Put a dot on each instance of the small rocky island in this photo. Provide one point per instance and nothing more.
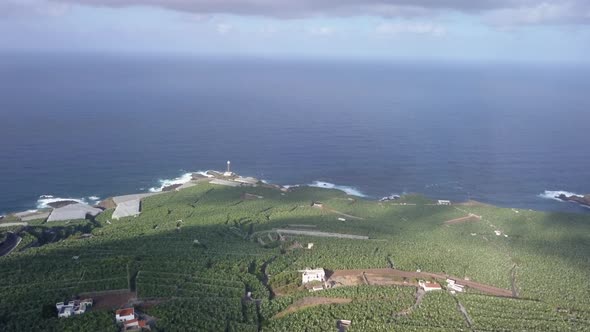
(582, 200)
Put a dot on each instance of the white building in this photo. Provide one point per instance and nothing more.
(309, 275)
(453, 285)
(73, 308)
(429, 286)
(443, 202)
(123, 315)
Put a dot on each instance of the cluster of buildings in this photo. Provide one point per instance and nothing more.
(129, 320)
(75, 307)
(452, 286)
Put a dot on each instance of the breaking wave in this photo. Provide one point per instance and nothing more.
(184, 178)
(44, 200)
(347, 189)
(552, 194)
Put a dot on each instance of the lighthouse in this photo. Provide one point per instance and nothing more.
(228, 172)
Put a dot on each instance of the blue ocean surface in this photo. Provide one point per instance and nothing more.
(92, 126)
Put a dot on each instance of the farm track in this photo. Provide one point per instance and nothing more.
(12, 224)
(470, 217)
(465, 314)
(376, 273)
(320, 234)
(513, 281)
(11, 242)
(344, 214)
(419, 297)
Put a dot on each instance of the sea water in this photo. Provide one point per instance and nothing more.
(90, 126)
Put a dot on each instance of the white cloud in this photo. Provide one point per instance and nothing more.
(33, 8)
(394, 29)
(268, 29)
(543, 13)
(321, 31)
(224, 28)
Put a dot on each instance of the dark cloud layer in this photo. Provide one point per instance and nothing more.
(299, 8)
(502, 12)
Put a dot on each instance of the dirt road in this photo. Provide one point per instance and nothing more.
(389, 276)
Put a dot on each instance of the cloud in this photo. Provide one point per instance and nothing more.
(321, 31)
(32, 8)
(224, 28)
(495, 11)
(394, 29)
(543, 13)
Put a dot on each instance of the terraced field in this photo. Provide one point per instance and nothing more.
(209, 258)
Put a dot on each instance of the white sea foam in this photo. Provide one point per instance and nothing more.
(204, 173)
(184, 178)
(553, 194)
(347, 189)
(93, 198)
(44, 201)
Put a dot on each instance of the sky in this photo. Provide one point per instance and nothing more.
(555, 31)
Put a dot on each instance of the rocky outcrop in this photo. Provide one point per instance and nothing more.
(171, 187)
(60, 204)
(582, 200)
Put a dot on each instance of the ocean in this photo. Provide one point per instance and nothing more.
(93, 126)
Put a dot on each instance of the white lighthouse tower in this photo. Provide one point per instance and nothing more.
(228, 172)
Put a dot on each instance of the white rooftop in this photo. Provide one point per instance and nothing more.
(127, 209)
(73, 211)
(129, 205)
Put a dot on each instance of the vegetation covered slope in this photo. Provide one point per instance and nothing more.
(193, 255)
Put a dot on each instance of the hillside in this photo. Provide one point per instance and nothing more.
(192, 256)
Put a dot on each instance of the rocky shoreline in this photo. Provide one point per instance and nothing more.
(582, 200)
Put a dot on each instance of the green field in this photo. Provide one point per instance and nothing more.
(194, 254)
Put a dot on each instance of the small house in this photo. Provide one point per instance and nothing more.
(309, 275)
(65, 311)
(443, 202)
(135, 325)
(75, 307)
(428, 286)
(454, 286)
(317, 205)
(123, 315)
(343, 324)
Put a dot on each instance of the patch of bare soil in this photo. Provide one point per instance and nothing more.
(374, 275)
(109, 299)
(311, 302)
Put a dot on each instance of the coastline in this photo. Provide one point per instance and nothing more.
(47, 204)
